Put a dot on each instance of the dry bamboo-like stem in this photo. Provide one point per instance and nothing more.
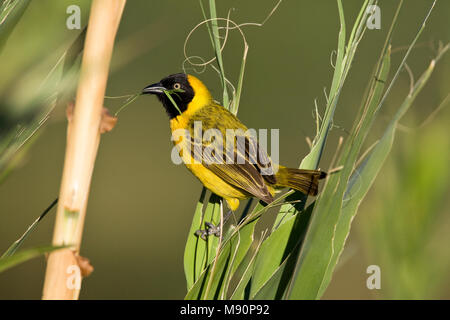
(63, 276)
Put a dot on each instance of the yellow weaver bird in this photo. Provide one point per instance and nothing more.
(188, 101)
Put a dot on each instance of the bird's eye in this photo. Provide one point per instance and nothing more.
(177, 86)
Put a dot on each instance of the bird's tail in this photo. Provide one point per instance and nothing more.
(305, 181)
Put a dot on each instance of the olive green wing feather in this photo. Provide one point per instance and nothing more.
(232, 158)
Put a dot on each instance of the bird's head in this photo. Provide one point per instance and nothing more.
(180, 92)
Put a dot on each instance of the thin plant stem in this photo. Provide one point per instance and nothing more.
(83, 137)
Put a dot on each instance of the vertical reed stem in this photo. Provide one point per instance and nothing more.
(62, 278)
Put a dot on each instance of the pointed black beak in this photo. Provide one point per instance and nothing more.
(155, 88)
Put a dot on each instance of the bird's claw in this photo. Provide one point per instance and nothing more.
(210, 229)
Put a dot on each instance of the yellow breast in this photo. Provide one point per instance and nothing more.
(180, 124)
(209, 179)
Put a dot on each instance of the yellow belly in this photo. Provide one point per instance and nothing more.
(210, 180)
(215, 183)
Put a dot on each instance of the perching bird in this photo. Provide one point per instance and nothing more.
(188, 103)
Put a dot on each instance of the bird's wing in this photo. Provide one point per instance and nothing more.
(232, 158)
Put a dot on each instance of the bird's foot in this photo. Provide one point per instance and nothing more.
(210, 229)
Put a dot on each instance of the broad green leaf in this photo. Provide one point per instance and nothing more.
(54, 91)
(199, 253)
(275, 286)
(212, 214)
(192, 242)
(295, 204)
(216, 274)
(230, 256)
(194, 293)
(209, 281)
(214, 281)
(277, 247)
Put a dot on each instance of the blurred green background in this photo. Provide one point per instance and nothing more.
(141, 204)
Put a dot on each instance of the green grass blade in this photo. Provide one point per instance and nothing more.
(237, 97)
(199, 253)
(343, 61)
(363, 178)
(194, 293)
(367, 119)
(217, 46)
(340, 52)
(329, 226)
(16, 245)
(10, 13)
(208, 25)
(314, 261)
(24, 255)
